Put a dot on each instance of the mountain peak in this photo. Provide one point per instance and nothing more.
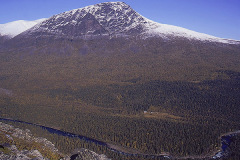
(112, 19)
(105, 6)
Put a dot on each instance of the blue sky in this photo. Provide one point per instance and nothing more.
(219, 18)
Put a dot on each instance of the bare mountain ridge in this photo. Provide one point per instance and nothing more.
(111, 19)
(105, 19)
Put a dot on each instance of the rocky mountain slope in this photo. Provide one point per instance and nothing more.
(111, 19)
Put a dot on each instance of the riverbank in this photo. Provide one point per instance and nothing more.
(226, 140)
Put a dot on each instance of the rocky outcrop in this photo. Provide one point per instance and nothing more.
(26, 135)
(5, 92)
(15, 154)
(18, 144)
(85, 154)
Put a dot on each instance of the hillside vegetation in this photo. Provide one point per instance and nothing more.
(189, 90)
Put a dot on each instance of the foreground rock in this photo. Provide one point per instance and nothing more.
(18, 144)
(21, 144)
(85, 154)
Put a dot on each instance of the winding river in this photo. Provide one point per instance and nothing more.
(226, 140)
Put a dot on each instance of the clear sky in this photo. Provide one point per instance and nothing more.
(219, 18)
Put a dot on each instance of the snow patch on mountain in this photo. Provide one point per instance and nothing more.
(167, 31)
(14, 28)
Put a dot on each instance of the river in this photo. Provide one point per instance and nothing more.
(226, 141)
(72, 135)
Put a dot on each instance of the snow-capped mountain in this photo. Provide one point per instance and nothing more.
(110, 40)
(14, 28)
(112, 19)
